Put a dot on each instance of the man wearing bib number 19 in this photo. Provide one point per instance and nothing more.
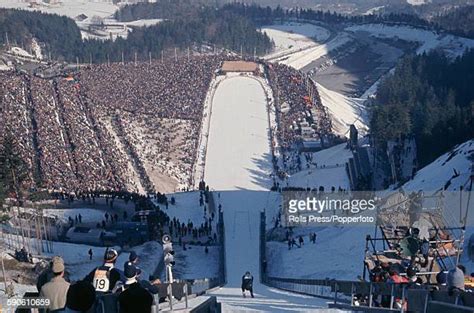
(104, 277)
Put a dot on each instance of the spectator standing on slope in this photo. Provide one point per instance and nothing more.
(56, 289)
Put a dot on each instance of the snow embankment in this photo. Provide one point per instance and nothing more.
(344, 111)
(300, 59)
(450, 171)
(293, 37)
(328, 170)
(428, 40)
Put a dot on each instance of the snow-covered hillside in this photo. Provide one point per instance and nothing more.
(451, 170)
(428, 40)
(70, 8)
(329, 170)
(302, 58)
(293, 37)
(344, 111)
(338, 253)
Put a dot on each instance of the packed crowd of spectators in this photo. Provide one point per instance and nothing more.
(14, 117)
(109, 127)
(298, 102)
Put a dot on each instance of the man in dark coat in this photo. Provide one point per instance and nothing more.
(104, 277)
(135, 298)
(247, 284)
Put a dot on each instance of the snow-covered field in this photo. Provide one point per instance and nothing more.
(94, 11)
(293, 37)
(70, 8)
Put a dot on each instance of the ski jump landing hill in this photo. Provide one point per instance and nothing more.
(239, 168)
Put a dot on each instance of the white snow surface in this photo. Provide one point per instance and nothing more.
(337, 254)
(292, 37)
(239, 158)
(70, 8)
(429, 40)
(344, 111)
(194, 263)
(417, 2)
(300, 59)
(20, 52)
(185, 208)
(330, 170)
(238, 165)
(88, 215)
(437, 174)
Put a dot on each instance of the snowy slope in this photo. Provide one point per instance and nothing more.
(70, 8)
(149, 255)
(238, 165)
(330, 170)
(240, 158)
(344, 111)
(428, 40)
(300, 59)
(292, 37)
(441, 172)
(186, 207)
(338, 253)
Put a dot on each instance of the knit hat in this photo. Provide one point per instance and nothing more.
(57, 265)
(80, 296)
(456, 278)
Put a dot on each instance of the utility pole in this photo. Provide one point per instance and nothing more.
(149, 57)
(135, 58)
(161, 56)
(175, 55)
